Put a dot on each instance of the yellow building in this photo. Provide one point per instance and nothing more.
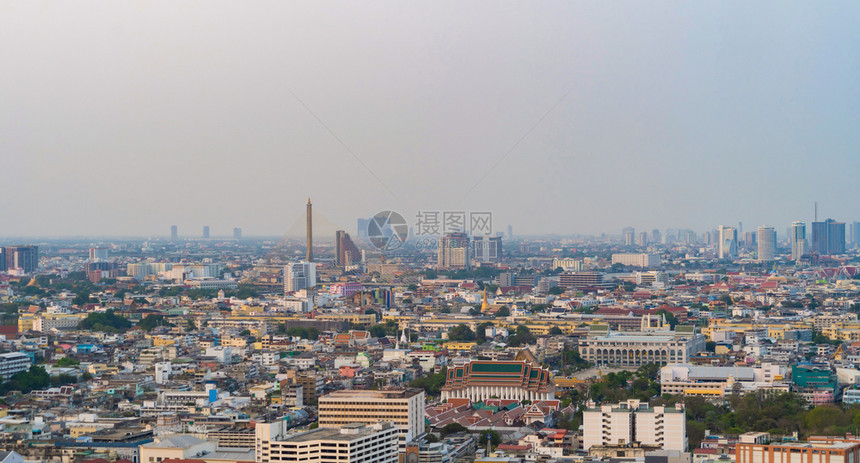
(25, 322)
(356, 318)
(460, 345)
(159, 341)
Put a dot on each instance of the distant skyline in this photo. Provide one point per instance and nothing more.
(124, 118)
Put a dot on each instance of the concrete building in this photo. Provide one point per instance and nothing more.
(299, 275)
(629, 235)
(634, 422)
(798, 240)
(654, 343)
(798, 452)
(487, 248)
(828, 237)
(22, 258)
(453, 252)
(715, 382)
(569, 264)
(351, 443)
(56, 321)
(179, 446)
(99, 254)
(728, 243)
(403, 407)
(478, 380)
(643, 260)
(766, 239)
(346, 252)
(578, 280)
(13, 362)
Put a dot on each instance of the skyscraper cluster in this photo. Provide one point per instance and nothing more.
(828, 237)
(22, 258)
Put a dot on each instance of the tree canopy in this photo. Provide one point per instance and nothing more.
(461, 332)
(107, 322)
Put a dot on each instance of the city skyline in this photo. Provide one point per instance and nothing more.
(677, 115)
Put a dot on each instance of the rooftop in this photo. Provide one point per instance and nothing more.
(345, 433)
(380, 394)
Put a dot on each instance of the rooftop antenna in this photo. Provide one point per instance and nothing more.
(816, 211)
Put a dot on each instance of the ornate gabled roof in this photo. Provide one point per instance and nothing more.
(490, 373)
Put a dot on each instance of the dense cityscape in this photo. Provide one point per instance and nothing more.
(364, 346)
(429, 231)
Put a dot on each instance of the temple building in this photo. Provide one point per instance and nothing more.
(479, 380)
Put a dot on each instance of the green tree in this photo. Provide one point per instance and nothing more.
(522, 337)
(461, 332)
(555, 331)
(377, 331)
(556, 290)
(67, 362)
(503, 312)
(670, 317)
(108, 322)
(453, 428)
(431, 383)
(152, 320)
(494, 437)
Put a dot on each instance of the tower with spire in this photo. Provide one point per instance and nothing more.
(310, 233)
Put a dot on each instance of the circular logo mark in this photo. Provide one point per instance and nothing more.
(387, 230)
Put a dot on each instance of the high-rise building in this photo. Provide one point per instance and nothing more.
(750, 240)
(728, 243)
(346, 252)
(174, 233)
(309, 232)
(632, 422)
(487, 248)
(798, 240)
(766, 237)
(828, 237)
(854, 233)
(643, 239)
(836, 237)
(453, 252)
(403, 407)
(510, 232)
(299, 275)
(352, 443)
(237, 233)
(656, 237)
(2, 259)
(629, 235)
(206, 232)
(643, 259)
(689, 237)
(99, 254)
(22, 258)
(361, 228)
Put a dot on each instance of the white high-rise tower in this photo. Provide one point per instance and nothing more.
(798, 240)
(766, 244)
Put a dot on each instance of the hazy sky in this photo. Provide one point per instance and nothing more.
(124, 117)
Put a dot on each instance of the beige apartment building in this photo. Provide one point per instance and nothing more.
(351, 443)
(403, 407)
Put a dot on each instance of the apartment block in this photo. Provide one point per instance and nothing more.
(633, 422)
(351, 443)
(403, 407)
